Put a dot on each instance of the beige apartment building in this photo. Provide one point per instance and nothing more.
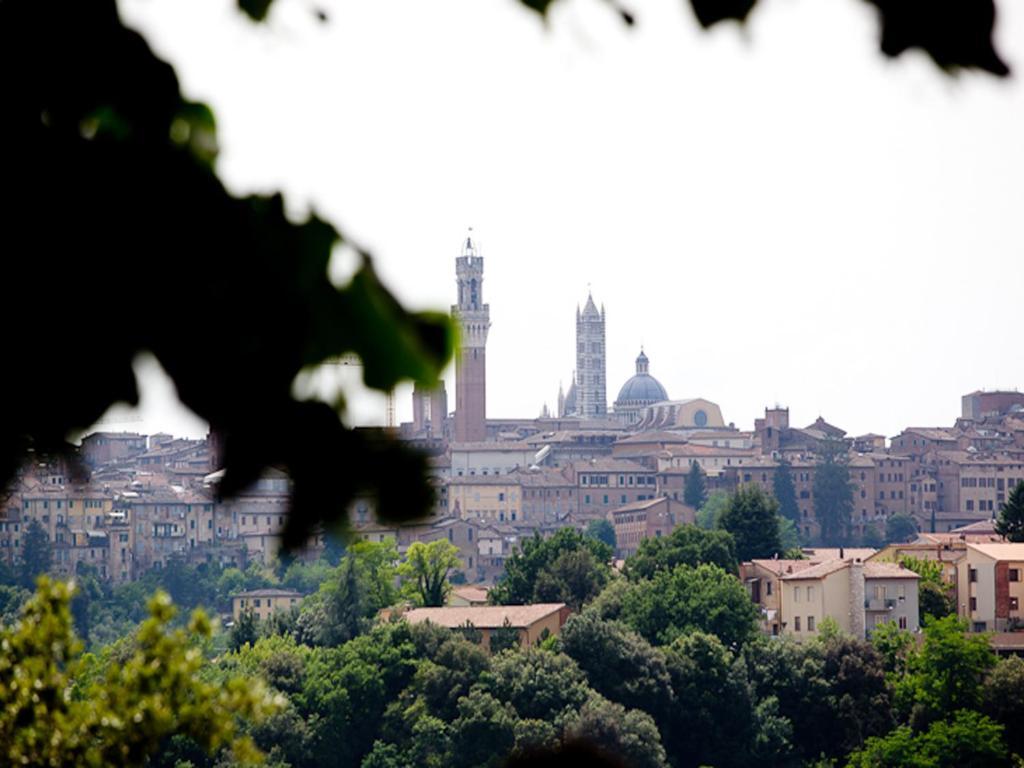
(857, 596)
(947, 553)
(548, 495)
(261, 603)
(990, 586)
(651, 518)
(606, 484)
(972, 486)
(712, 459)
(763, 579)
(470, 459)
(491, 498)
(532, 622)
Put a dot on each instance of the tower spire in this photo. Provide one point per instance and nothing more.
(474, 320)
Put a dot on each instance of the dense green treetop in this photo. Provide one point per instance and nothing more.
(568, 567)
(833, 496)
(76, 712)
(752, 520)
(968, 740)
(1003, 699)
(1011, 514)
(711, 510)
(900, 527)
(602, 530)
(785, 491)
(425, 570)
(619, 664)
(686, 545)
(703, 598)
(695, 490)
(36, 554)
(947, 673)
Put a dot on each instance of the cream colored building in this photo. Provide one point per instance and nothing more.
(858, 596)
(493, 498)
(763, 580)
(263, 602)
(472, 459)
(466, 595)
(533, 622)
(946, 554)
(990, 586)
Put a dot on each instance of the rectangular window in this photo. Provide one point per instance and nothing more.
(1014, 574)
(972, 574)
(796, 594)
(974, 603)
(1014, 603)
(768, 587)
(810, 623)
(903, 622)
(796, 623)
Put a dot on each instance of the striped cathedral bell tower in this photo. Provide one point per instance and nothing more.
(474, 319)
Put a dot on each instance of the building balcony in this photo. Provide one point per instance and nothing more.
(879, 604)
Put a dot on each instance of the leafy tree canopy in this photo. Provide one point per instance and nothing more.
(569, 567)
(711, 511)
(1003, 700)
(703, 598)
(785, 492)
(968, 740)
(947, 673)
(686, 545)
(1011, 515)
(695, 490)
(425, 571)
(833, 496)
(900, 527)
(100, 106)
(752, 520)
(602, 530)
(118, 714)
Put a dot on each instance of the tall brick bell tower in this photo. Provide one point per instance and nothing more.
(474, 319)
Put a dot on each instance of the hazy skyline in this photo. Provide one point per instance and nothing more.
(777, 216)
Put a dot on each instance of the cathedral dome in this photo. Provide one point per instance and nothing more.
(642, 389)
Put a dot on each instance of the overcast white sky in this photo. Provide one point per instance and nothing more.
(777, 213)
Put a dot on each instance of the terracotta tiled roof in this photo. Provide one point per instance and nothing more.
(483, 480)
(818, 571)
(484, 616)
(821, 554)
(270, 592)
(638, 505)
(1000, 551)
(609, 465)
(785, 567)
(471, 593)
(879, 570)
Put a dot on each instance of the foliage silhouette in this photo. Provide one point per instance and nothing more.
(117, 192)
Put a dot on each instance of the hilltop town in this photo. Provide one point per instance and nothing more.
(137, 501)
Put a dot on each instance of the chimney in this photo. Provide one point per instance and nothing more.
(841, 553)
(857, 628)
